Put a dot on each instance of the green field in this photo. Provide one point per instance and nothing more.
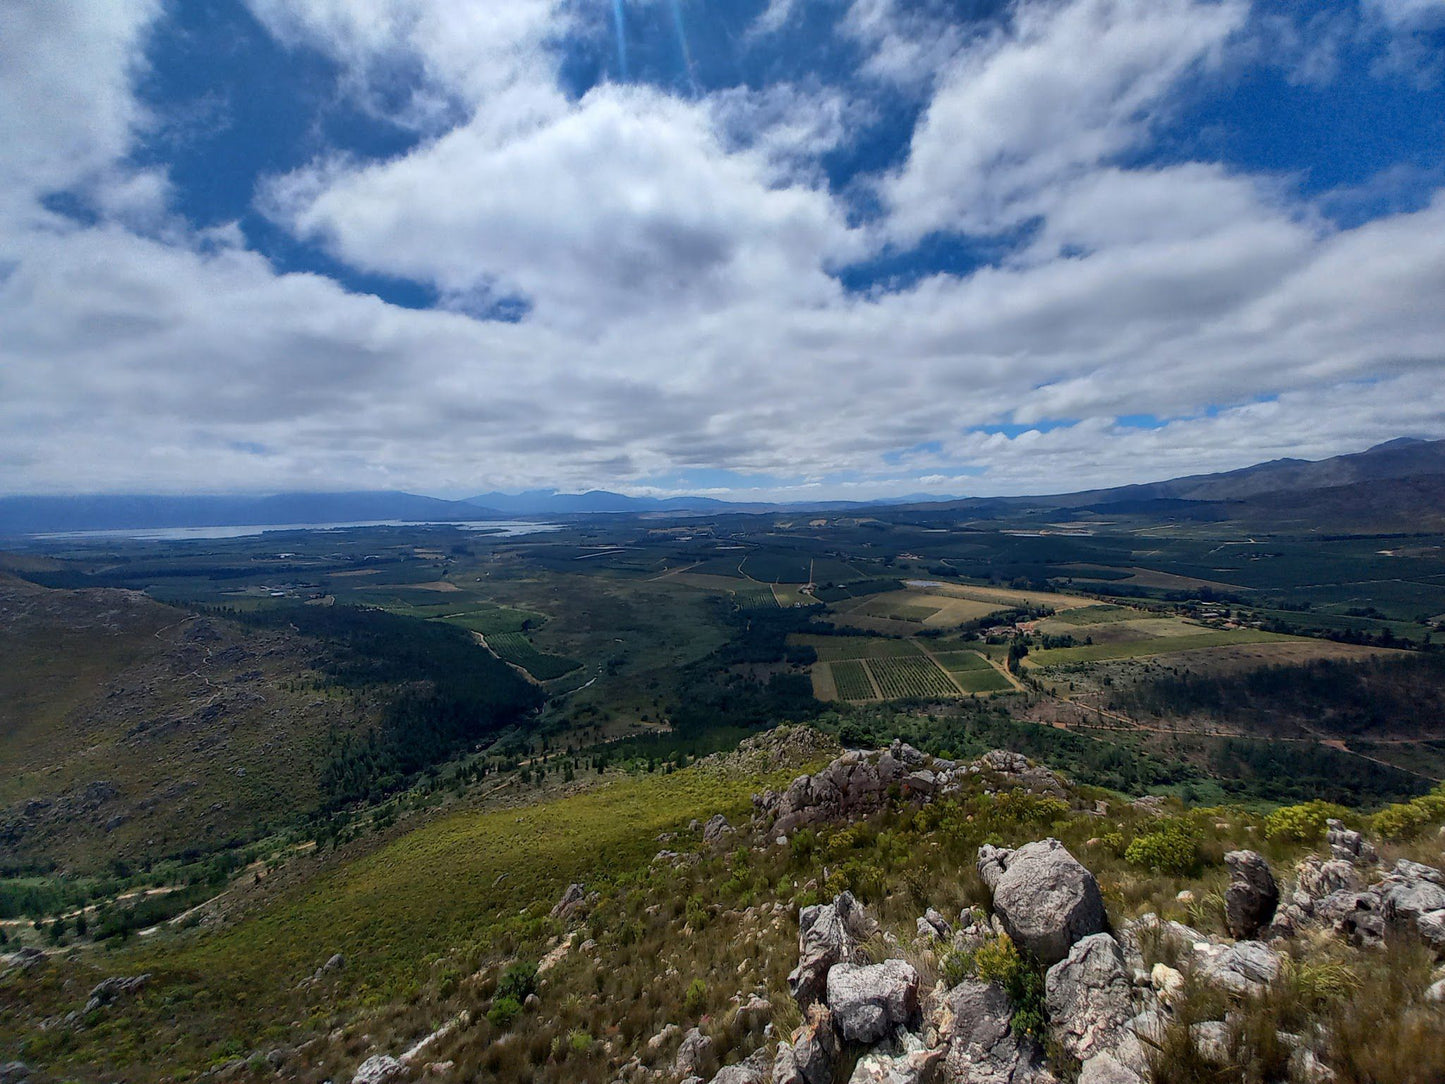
(1098, 615)
(983, 681)
(1164, 645)
(515, 648)
(491, 620)
(755, 598)
(958, 662)
(832, 648)
(850, 677)
(905, 677)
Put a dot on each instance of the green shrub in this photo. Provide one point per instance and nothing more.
(1407, 818)
(695, 998)
(503, 1012)
(998, 960)
(1303, 823)
(1172, 849)
(518, 982)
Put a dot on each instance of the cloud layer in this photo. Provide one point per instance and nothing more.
(638, 285)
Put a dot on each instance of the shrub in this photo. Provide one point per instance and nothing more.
(518, 982)
(1407, 818)
(1171, 849)
(695, 998)
(1303, 823)
(503, 1012)
(998, 960)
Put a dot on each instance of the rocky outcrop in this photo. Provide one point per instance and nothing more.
(1244, 968)
(981, 1047)
(812, 1052)
(716, 829)
(912, 1064)
(860, 782)
(1252, 896)
(753, 1070)
(1088, 995)
(379, 1069)
(870, 1001)
(571, 900)
(1045, 899)
(693, 1053)
(1348, 844)
(827, 935)
(113, 989)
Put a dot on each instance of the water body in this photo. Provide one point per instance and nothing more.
(494, 528)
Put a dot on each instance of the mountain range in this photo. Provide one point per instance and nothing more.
(1396, 485)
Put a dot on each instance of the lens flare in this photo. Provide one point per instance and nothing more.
(621, 27)
(682, 44)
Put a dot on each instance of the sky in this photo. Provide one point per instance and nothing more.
(766, 249)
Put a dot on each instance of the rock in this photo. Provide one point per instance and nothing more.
(1046, 900)
(692, 1053)
(378, 1069)
(716, 828)
(1244, 968)
(1088, 995)
(1211, 1039)
(1167, 981)
(1431, 928)
(992, 861)
(827, 935)
(112, 989)
(570, 901)
(1315, 879)
(1347, 844)
(913, 1064)
(754, 1070)
(662, 1038)
(14, 1072)
(1252, 896)
(336, 962)
(1305, 1066)
(1106, 1069)
(869, 1001)
(980, 1046)
(1436, 991)
(1403, 904)
(810, 1057)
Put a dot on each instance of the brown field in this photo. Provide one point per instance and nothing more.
(443, 586)
(1002, 596)
(706, 581)
(823, 687)
(1234, 657)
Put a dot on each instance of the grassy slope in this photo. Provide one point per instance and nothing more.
(462, 888)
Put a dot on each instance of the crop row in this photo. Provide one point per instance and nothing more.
(898, 678)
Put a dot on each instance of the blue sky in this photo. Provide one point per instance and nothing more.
(831, 248)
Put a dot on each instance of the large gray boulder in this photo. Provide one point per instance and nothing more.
(753, 1070)
(979, 1045)
(1252, 896)
(811, 1054)
(1088, 995)
(1046, 900)
(1107, 1069)
(870, 1001)
(827, 935)
(1244, 968)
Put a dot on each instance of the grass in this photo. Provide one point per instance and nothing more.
(491, 620)
(1163, 645)
(983, 681)
(958, 662)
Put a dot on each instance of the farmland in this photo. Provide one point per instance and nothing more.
(850, 677)
(905, 677)
(515, 648)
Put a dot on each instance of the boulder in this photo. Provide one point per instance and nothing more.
(378, 1069)
(570, 901)
(692, 1053)
(992, 861)
(754, 1070)
(14, 1072)
(1107, 1069)
(1089, 997)
(1252, 896)
(1431, 928)
(1347, 844)
(1047, 901)
(810, 1056)
(716, 828)
(827, 935)
(979, 1045)
(1244, 968)
(1211, 1039)
(112, 989)
(913, 1064)
(870, 1001)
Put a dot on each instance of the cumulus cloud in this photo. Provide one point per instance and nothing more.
(679, 256)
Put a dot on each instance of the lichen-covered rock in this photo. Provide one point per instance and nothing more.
(112, 989)
(570, 901)
(1107, 1069)
(912, 1064)
(811, 1054)
(992, 861)
(1252, 896)
(753, 1070)
(1089, 997)
(1047, 901)
(1347, 844)
(979, 1045)
(870, 1001)
(378, 1069)
(693, 1053)
(716, 829)
(1244, 968)
(827, 935)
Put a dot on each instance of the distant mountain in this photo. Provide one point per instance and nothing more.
(44, 515)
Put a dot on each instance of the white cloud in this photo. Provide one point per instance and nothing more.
(1063, 89)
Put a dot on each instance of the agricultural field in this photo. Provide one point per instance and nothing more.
(1164, 645)
(960, 662)
(850, 680)
(515, 648)
(898, 678)
(492, 620)
(987, 680)
(832, 648)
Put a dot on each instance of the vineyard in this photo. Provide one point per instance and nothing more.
(833, 648)
(851, 679)
(755, 598)
(958, 662)
(987, 680)
(515, 648)
(905, 677)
